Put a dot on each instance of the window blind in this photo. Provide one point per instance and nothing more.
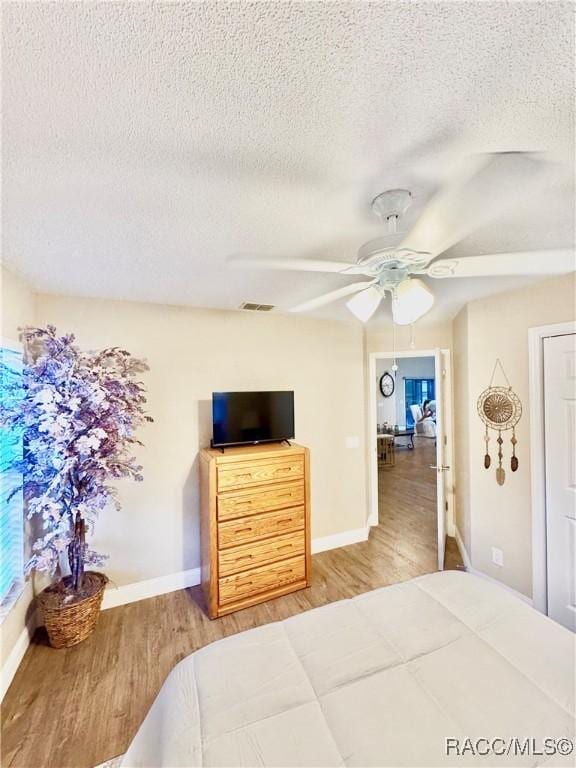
(11, 499)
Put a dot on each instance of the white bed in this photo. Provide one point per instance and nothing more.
(379, 680)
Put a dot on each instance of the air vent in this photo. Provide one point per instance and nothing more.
(250, 306)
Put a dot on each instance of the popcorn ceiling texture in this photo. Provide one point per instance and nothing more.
(145, 142)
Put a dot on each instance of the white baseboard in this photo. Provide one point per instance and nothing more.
(141, 590)
(342, 539)
(468, 565)
(462, 548)
(513, 591)
(16, 655)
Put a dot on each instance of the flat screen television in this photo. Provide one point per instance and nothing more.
(251, 417)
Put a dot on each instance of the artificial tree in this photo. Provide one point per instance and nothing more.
(78, 413)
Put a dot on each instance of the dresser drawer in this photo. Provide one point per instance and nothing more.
(242, 474)
(257, 580)
(259, 553)
(234, 504)
(235, 532)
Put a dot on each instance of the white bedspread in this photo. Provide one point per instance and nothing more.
(379, 680)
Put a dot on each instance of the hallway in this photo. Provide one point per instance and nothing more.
(407, 508)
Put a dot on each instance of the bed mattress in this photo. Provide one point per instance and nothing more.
(383, 679)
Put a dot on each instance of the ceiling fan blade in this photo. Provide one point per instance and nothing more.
(327, 298)
(304, 265)
(484, 188)
(502, 264)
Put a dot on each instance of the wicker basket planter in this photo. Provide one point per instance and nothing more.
(70, 623)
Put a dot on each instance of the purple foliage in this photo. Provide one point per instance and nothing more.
(78, 415)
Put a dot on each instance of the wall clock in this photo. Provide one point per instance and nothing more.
(387, 384)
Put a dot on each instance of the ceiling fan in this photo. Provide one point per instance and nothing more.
(485, 187)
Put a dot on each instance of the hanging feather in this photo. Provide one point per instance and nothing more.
(500, 473)
(514, 459)
(487, 460)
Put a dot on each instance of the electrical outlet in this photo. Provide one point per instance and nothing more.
(497, 557)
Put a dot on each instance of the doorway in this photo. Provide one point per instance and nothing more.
(410, 434)
(553, 452)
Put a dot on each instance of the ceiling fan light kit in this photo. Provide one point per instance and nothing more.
(365, 303)
(410, 301)
(485, 187)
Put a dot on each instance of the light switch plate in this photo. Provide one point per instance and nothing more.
(353, 442)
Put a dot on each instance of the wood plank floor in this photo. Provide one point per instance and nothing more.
(77, 708)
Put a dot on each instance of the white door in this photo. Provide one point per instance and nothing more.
(560, 452)
(441, 467)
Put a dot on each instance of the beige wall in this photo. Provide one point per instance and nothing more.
(16, 303)
(437, 335)
(498, 328)
(192, 352)
(16, 309)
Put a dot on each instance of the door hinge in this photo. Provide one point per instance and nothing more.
(445, 439)
(446, 505)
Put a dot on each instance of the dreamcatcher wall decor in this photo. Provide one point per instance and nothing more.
(500, 409)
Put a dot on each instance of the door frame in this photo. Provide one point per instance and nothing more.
(536, 338)
(372, 415)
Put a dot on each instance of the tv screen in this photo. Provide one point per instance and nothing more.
(252, 417)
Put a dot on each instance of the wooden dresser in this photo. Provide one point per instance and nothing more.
(254, 524)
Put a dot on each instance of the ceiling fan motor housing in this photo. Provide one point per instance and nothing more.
(383, 255)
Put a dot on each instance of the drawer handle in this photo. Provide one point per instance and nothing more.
(243, 530)
(282, 470)
(244, 557)
(285, 546)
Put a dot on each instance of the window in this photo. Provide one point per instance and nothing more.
(11, 498)
(415, 392)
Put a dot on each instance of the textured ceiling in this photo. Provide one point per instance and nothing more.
(145, 142)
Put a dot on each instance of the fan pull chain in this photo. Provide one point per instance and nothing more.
(500, 473)
(487, 459)
(514, 459)
(394, 364)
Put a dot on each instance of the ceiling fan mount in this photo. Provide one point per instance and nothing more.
(391, 204)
